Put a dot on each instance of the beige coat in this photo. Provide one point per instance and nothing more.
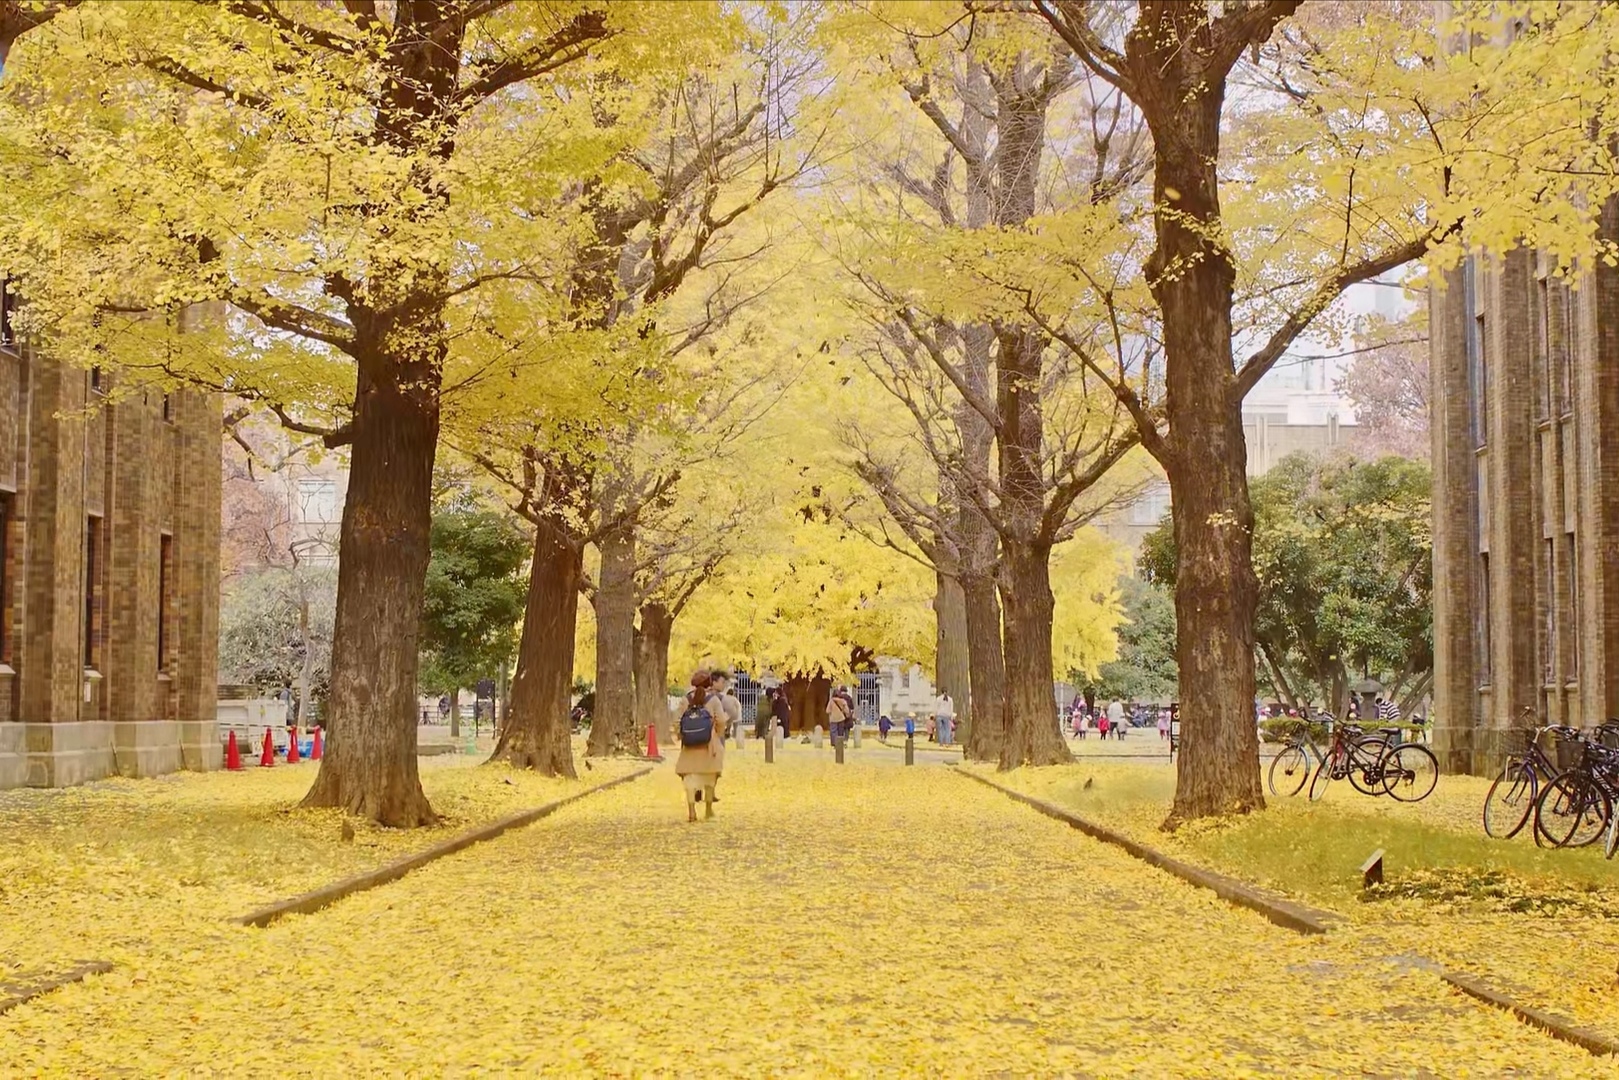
(708, 759)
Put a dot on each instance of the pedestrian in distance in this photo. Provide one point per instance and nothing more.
(701, 729)
(884, 726)
(720, 685)
(838, 711)
(782, 711)
(1163, 725)
(1102, 726)
(762, 713)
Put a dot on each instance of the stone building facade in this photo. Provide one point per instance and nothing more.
(1525, 371)
(109, 575)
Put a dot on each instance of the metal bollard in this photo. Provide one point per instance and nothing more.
(770, 750)
(910, 750)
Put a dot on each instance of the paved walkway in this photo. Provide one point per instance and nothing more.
(831, 921)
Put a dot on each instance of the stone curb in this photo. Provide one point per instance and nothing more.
(329, 894)
(21, 993)
(1556, 1026)
(1284, 913)
(1307, 920)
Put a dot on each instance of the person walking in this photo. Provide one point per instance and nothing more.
(1102, 726)
(699, 766)
(947, 720)
(782, 712)
(1115, 717)
(837, 713)
(884, 726)
(720, 684)
(1163, 725)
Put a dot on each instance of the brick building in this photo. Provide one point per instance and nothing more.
(109, 575)
(1525, 428)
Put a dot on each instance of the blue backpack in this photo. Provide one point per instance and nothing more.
(696, 726)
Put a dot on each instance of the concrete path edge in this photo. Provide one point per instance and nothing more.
(326, 895)
(1307, 920)
(21, 993)
(1284, 913)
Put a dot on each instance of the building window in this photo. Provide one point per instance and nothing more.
(92, 592)
(1478, 382)
(1548, 638)
(5, 578)
(1151, 507)
(7, 306)
(905, 679)
(165, 582)
(1543, 321)
(317, 501)
(1481, 477)
(1483, 620)
(1567, 350)
(1571, 670)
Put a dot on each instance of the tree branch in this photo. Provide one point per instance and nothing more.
(560, 49)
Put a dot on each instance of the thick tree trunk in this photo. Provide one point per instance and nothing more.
(536, 734)
(1033, 730)
(369, 764)
(652, 669)
(988, 667)
(612, 727)
(1215, 598)
(954, 668)
(807, 698)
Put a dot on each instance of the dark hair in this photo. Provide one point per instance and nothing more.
(700, 681)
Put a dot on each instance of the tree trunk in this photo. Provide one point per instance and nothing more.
(369, 763)
(536, 733)
(1215, 597)
(807, 698)
(652, 669)
(455, 712)
(988, 668)
(954, 666)
(1181, 92)
(612, 727)
(1033, 731)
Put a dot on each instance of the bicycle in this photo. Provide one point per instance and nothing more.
(1513, 794)
(1576, 808)
(1293, 762)
(1355, 755)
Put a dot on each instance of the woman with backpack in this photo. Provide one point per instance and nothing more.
(702, 744)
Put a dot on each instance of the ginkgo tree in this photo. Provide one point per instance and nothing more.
(351, 211)
(1297, 150)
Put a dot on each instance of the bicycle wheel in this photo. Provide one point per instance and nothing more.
(1612, 843)
(1322, 777)
(1510, 801)
(1366, 766)
(1289, 771)
(1572, 811)
(1410, 772)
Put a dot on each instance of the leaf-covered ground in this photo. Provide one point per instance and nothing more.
(1543, 924)
(855, 920)
(121, 869)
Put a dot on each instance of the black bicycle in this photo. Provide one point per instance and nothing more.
(1516, 790)
(1576, 807)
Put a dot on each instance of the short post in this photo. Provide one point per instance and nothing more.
(910, 750)
(781, 733)
(770, 750)
(837, 748)
(857, 734)
(1371, 871)
(817, 736)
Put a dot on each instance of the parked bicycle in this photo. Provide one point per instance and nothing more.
(1373, 766)
(1290, 768)
(1576, 808)
(1516, 789)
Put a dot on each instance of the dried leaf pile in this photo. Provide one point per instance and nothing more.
(831, 921)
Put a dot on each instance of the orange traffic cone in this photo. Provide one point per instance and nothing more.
(233, 754)
(652, 742)
(315, 750)
(292, 745)
(269, 751)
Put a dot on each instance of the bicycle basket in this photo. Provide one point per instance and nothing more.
(1570, 752)
(1516, 740)
(1608, 734)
